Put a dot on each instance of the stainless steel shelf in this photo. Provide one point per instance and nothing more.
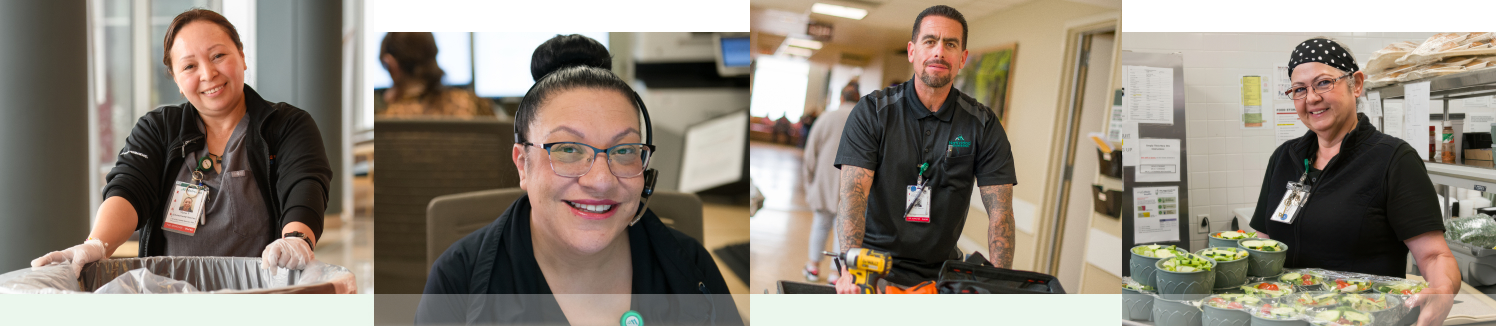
(1445, 88)
(1454, 86)
(1467, 177)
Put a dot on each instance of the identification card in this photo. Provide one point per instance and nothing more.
(186, 208)
(921, 200)
(1293, 200)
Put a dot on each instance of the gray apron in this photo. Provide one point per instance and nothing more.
(236, 222)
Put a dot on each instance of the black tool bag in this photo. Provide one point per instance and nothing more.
(977, 276)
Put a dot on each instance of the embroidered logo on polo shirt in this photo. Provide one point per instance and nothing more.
(960, 142)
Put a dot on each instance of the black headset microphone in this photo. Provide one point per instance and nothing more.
(649, 174)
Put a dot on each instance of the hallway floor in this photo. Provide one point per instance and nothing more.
(781, 229)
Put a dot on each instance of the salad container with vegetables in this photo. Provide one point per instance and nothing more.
(1137, 300)
(1137, 288)
(1404, 287)
(1168, 312)
(1277, 314)
(1266, 256)
(1304, 281)
(1229, 309)
(1231, 265)
(1339, 316)
(1314, 299)
(1187, 276)
(1378, 305)
(1145, 257)
(1368, 302)
(1267, 289)
(1229, 238)
(1351, 285)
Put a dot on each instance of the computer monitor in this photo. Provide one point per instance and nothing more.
(503, 61)
(713, 154)
(454, 54)
(733, 52)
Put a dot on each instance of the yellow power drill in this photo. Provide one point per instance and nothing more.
(867, 266)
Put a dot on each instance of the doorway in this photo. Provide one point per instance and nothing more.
(1086, 102)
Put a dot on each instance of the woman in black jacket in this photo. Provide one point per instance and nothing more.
(580, 247)
(255, 171)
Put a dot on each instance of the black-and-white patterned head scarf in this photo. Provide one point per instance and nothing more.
(1324, 51)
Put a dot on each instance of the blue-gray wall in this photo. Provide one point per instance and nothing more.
(44, 195)
(300, 62)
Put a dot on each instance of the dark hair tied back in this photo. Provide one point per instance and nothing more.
(565, 51)
(562, 63)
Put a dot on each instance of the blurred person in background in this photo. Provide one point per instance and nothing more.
(258, 168)
(807, 121)
(410, 58)
(822, 180)
(782, 127)
(580, 242)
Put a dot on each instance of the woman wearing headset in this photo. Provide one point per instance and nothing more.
(225, 174)
(580, 247)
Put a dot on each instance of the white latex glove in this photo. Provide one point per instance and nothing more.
(79, 255)
(291, 253)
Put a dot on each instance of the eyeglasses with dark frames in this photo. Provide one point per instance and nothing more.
(573, 159)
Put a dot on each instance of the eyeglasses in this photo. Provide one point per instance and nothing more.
(1321, 86)
(572, 159)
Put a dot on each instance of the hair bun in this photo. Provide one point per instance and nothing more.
(565, 51)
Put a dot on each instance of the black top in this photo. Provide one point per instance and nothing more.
(285, 152)
(891, 133)
(1370, 197)
(675, 279)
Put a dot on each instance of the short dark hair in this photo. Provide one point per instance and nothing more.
(849, 92)
(189, 16)
(562, 63)
(942, 11)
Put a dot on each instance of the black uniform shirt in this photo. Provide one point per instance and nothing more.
(890, 132)
(1371, 197)
(491, 277)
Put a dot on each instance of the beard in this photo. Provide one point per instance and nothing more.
(931, 79)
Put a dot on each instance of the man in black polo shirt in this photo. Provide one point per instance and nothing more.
(924, 132)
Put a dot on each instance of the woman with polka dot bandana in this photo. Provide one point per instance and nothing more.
(1368, 199)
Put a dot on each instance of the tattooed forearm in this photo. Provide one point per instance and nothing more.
(999, 202)
(850, 219)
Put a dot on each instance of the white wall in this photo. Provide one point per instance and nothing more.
(1039, 29)
(1226, 163)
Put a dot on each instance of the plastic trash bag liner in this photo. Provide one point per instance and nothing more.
(207, 274)
(46, 279)
(141, 281)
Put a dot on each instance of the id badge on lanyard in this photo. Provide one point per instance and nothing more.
(185, 213)
(189, 202)
(1293, 200)
(917, 199)
(917, 196)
